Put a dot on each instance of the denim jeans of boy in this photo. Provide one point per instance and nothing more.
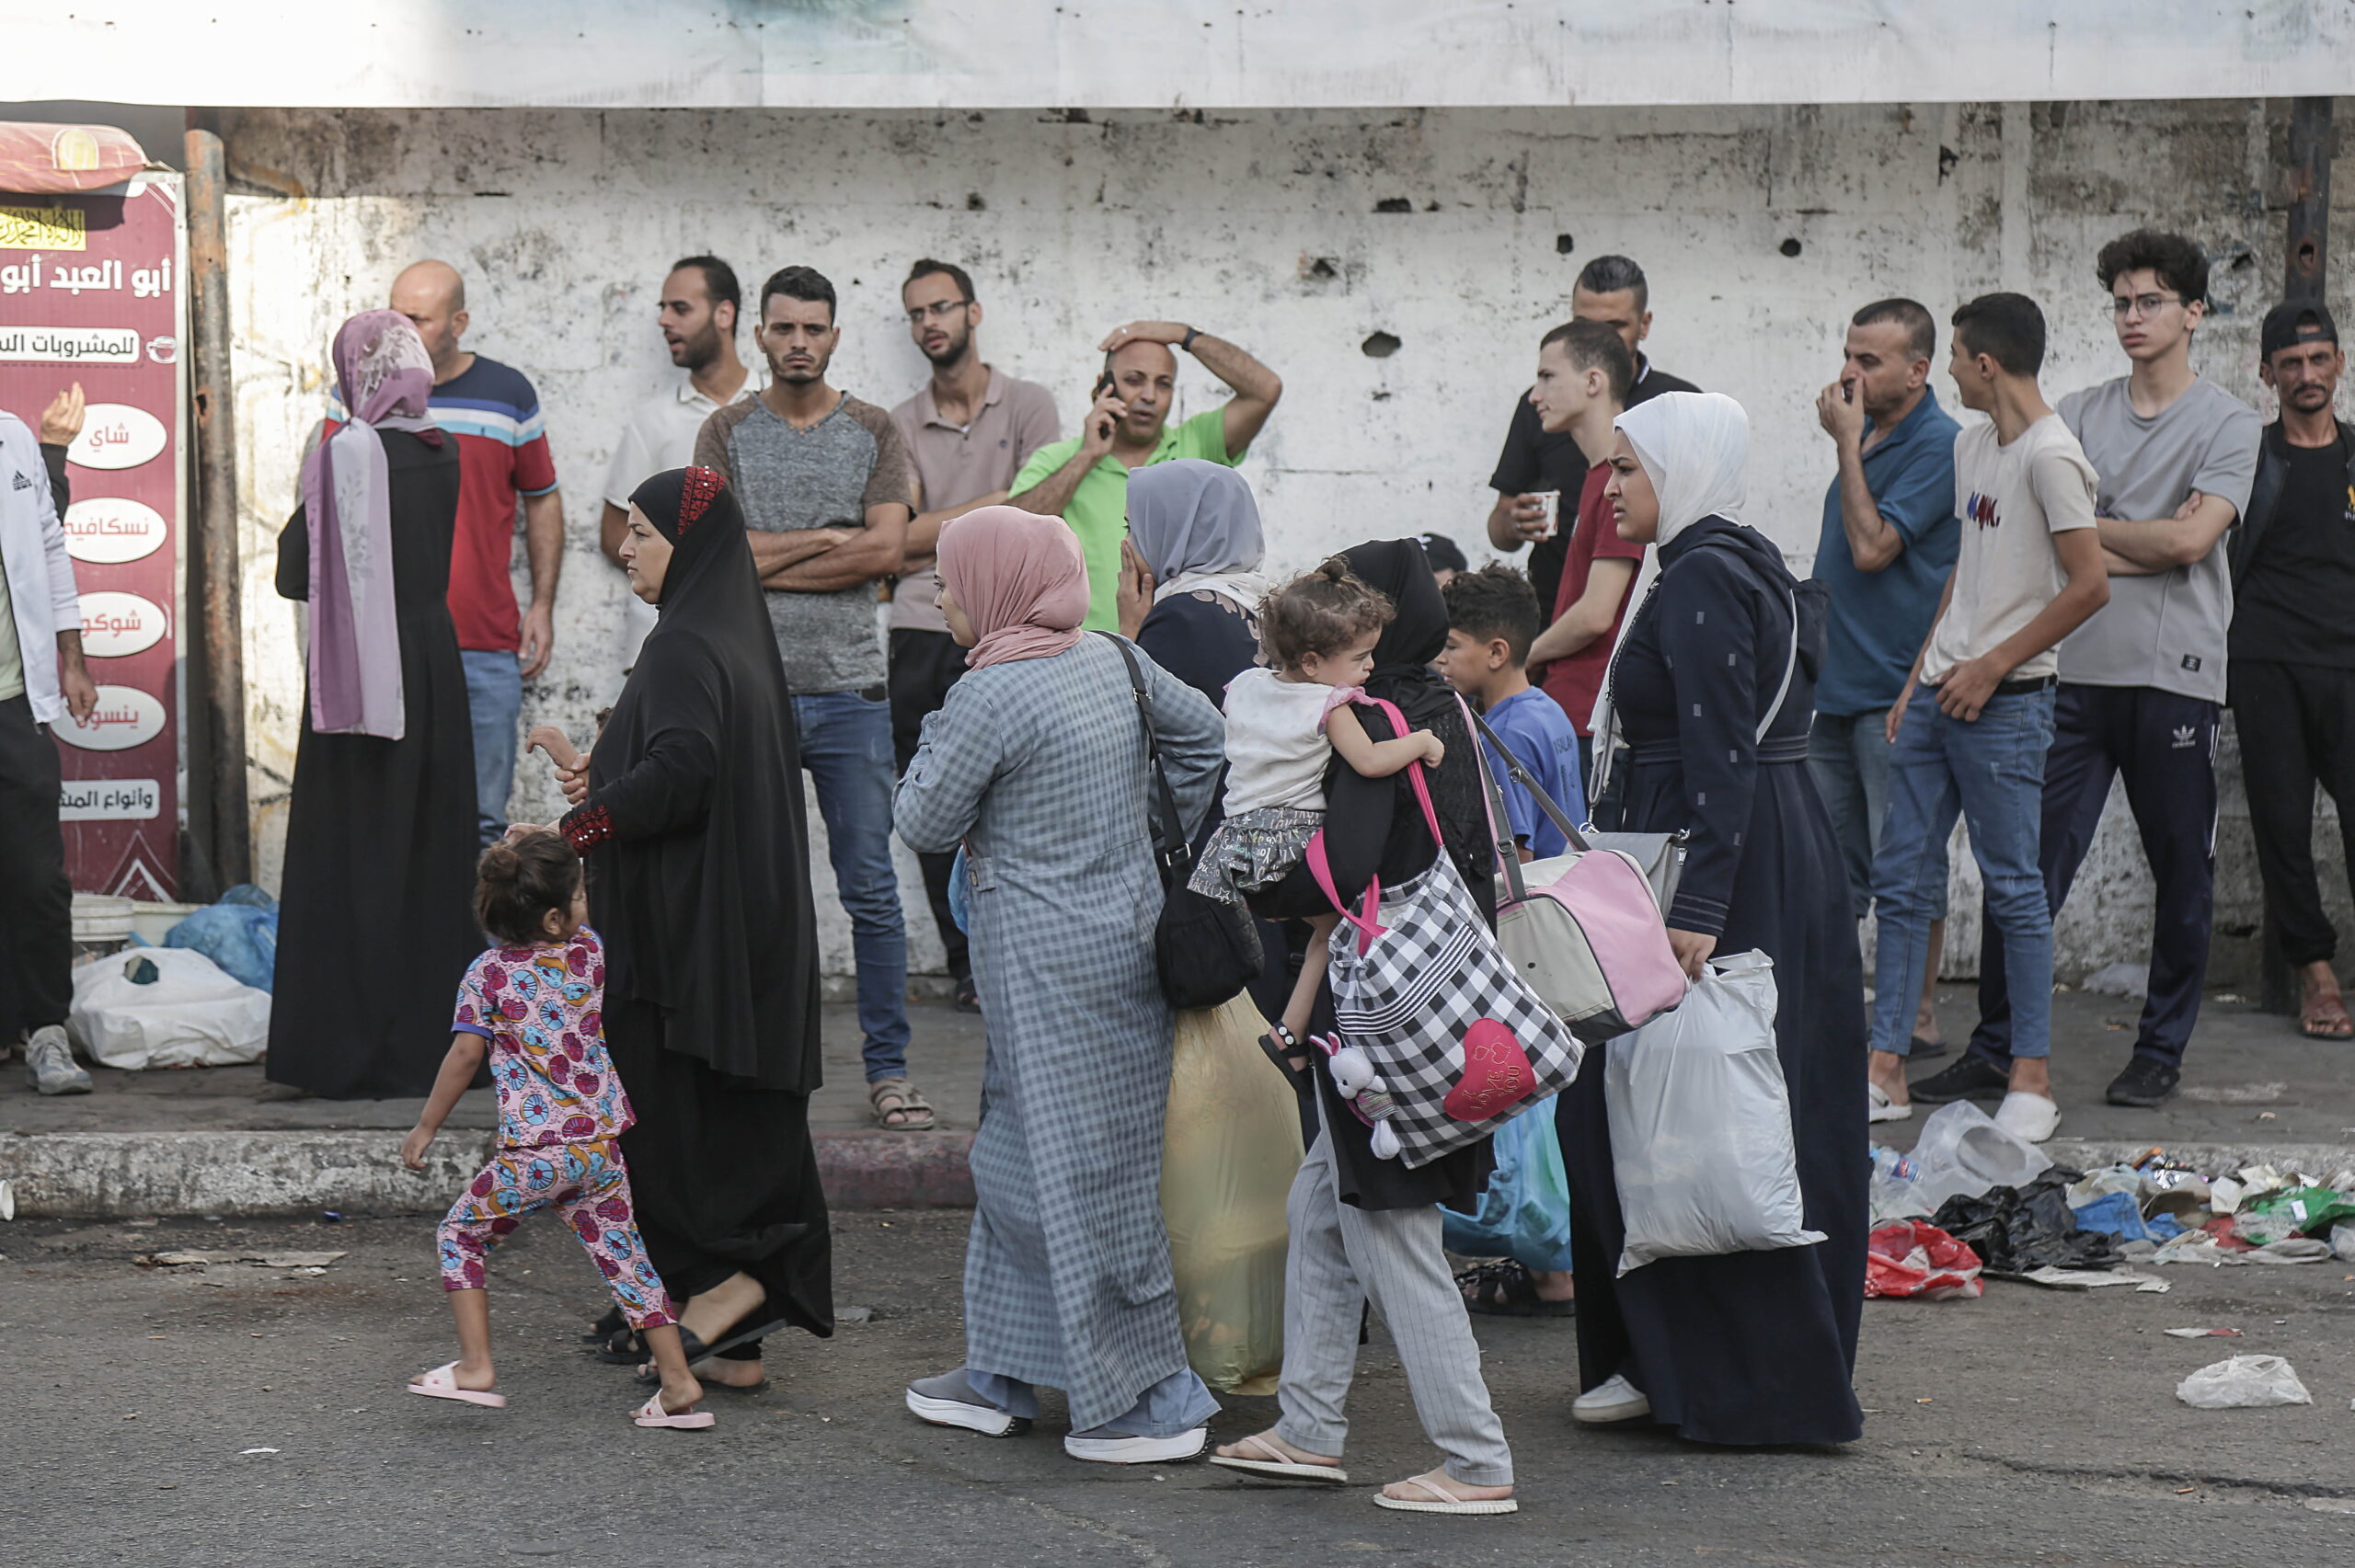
(846, 746)
(1848, 757)
(495, 706)
(1990, 771)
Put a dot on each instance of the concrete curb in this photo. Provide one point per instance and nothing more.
(2320, 1160)
(125, 1176)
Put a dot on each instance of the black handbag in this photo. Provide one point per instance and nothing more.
(1205, 950)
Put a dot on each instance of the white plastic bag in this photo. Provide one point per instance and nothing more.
(2244, 1382)
(1962, 1154)
(191, 1014)
(1701, 1123)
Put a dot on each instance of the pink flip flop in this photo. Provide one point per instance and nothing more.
(652, 1413)
(443, 1383)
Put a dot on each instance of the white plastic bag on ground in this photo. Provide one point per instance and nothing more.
(1701, 1123)
(191, 1014)
(2244, 1382)
(1962, 1154)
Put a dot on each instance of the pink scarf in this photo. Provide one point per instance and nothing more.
(1020, 579)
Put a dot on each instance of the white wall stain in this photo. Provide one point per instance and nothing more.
(564, 222)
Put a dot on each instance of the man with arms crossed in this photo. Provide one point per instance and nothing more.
(1084, 480)
(825, 487)
(969, 430)
(1889, 543)
(2293, 644)
(2143, 683)
(503, 452)
(1968, 732)
(1613, 291)
(697, 314)
(1583, 373)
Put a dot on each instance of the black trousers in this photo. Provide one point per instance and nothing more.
(2297, 730)
(924, 666)
(36, 900)
(2163, 746)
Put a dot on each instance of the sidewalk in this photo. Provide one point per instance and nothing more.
(222, 1141)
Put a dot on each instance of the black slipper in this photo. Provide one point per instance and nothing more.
(1504, 1289)
(605, 1328)
(1279, 1045)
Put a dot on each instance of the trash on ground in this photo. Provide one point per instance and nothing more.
(185, 1011)
(2119, 980)
(239, 933)
(189, 1259)
(1916, 1261)
(2235, 1093)
(2019, 1228)
(1962, 1154)
(2203, 1334)
(2243, 1382)
(2094, 1279)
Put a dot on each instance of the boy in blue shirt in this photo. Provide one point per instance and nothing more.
(1491, 620)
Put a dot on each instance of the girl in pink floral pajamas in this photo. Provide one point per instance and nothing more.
(534, 1003)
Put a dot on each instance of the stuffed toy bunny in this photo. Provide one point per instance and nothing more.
(1354, 1076)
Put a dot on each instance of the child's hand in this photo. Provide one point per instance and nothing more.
(1434, 749)
(414, 1146)
(574, 781)
(552, 740)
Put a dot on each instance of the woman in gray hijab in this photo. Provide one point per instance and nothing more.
(1189, 572)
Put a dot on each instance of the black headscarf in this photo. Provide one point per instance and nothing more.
(1386, 808)
(699, 869)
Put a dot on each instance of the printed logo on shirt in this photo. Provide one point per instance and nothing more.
(1982, 510)
(22, 482)
(2186, 737)
(2192, 662)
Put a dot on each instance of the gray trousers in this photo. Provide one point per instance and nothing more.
(1341, 1257)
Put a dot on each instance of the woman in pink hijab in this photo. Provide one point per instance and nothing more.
(374, 928)
(1036, 764)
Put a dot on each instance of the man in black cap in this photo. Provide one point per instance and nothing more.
(2293, 650)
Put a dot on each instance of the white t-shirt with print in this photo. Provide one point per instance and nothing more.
(2012, 501)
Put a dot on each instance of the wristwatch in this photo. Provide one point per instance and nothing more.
(1187, 342)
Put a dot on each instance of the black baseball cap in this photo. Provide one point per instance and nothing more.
(2296, 321)
(1444, 553)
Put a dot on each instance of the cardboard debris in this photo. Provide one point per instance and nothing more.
(267, 1260)
(2094, 1279)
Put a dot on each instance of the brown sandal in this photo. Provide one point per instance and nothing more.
(899, 1105)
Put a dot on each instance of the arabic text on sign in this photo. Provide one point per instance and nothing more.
(71, 345)
(110, 800)
(110, 530)
(117, 624)
(108, 276)
(116, 435)
(44, 228)
(125, 717)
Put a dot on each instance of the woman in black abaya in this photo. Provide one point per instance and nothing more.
(376, 925)
(1756, 1346)
(689, 819)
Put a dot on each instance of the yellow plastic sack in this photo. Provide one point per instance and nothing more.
(1230, 1148)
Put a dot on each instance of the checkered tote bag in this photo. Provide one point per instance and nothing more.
(1421, 985)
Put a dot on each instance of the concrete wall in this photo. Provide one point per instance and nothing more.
(1299, 234)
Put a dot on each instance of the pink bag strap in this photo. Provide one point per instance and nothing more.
(1368, 925)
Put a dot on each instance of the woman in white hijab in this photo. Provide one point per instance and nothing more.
(1713, 689)
(1189, 580)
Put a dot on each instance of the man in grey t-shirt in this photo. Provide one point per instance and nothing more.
(2143, 682)
(826, 484)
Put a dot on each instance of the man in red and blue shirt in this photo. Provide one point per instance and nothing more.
(502, 462)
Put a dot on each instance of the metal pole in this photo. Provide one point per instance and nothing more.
(216, 508)
(2306, 263)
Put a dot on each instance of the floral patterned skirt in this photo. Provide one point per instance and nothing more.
(1253, 849)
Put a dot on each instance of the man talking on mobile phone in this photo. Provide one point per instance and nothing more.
(1085, 480)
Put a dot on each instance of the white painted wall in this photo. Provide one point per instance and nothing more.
(564, 222)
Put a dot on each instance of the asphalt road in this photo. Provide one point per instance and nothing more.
(247, 1415)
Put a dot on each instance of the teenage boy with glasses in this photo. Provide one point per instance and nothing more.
(2143, 682)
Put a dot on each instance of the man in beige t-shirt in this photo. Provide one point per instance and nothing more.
(1968, 735)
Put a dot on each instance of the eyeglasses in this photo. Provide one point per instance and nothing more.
(935, 312)
(2146, 305)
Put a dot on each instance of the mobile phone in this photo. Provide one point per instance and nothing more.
(1103, 384)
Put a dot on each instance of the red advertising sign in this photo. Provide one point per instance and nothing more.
(90, 291)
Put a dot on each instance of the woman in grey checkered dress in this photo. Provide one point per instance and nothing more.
(1035, 763)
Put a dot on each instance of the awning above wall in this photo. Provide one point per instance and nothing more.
(1085, 54)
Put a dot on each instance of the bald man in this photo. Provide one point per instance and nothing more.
(503, 462)
(1085, 480)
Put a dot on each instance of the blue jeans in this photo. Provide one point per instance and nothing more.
(846, 746)
(1990, 772)
(1848, 756)
(495, 700)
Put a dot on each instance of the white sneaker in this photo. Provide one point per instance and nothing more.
(1615, 1400)
(1885, 1109)
(1110, 1447)
(49, 1061)
(2031, 1118)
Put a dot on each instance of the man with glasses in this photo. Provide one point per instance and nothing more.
(1084, 480)
(2142, 683)
(2293, 642)
(969, 430)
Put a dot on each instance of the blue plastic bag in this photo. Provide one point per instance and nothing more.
(241, 938)
(2116, 1213)
(1524, 1211)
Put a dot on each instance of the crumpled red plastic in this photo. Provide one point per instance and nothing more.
(1915, 1259)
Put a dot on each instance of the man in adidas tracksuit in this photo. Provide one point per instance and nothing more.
(2142, 681)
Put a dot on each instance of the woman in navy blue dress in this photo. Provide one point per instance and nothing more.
(1751, 1348)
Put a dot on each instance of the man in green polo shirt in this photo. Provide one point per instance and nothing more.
(1085, 480)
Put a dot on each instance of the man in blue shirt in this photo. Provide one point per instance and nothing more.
(1889, 544)
(1491, 620)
